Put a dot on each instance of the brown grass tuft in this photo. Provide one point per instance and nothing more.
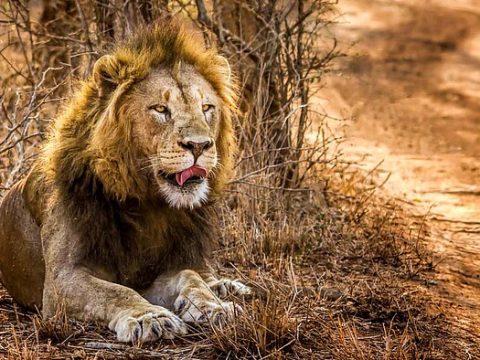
(58, 328)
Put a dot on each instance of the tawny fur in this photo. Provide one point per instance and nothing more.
(88, 230)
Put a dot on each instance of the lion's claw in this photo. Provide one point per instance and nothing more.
(224, 287)
(218, 313)
(156, 323)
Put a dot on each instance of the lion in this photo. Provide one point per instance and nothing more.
(115, 223)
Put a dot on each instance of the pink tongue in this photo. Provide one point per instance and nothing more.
(186, 174)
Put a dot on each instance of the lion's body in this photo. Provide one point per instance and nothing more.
(100, 227)
(21, 255)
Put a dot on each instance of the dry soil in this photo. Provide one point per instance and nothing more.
(410, 90)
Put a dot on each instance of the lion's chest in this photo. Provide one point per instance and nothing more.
(142, 255)
(141, 245)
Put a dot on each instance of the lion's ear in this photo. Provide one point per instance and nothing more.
(106, 73)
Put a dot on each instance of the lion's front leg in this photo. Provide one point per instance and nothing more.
(74, 288)
(124, 311)
(190, 297)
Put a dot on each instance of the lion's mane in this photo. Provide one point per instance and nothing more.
(90, 166)
(87, 141)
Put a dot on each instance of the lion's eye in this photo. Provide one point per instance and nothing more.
(162, 109)
(207, 107)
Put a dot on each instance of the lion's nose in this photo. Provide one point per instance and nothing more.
(197, 148)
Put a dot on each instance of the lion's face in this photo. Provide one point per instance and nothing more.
(174, 118)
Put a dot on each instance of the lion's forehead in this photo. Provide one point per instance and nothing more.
(185, 86)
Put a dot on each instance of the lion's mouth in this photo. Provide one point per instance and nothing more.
(193, 175)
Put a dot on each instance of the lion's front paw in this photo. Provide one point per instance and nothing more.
(147, 325)
(225, 287)
(217, 313)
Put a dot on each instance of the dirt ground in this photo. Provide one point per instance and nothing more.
(410, 89)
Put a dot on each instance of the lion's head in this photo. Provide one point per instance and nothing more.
(154, 119)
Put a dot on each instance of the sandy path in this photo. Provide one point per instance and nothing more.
(411, 85)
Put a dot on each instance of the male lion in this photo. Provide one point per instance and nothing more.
(114, 221)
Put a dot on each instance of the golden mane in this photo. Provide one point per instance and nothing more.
(89, 147)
